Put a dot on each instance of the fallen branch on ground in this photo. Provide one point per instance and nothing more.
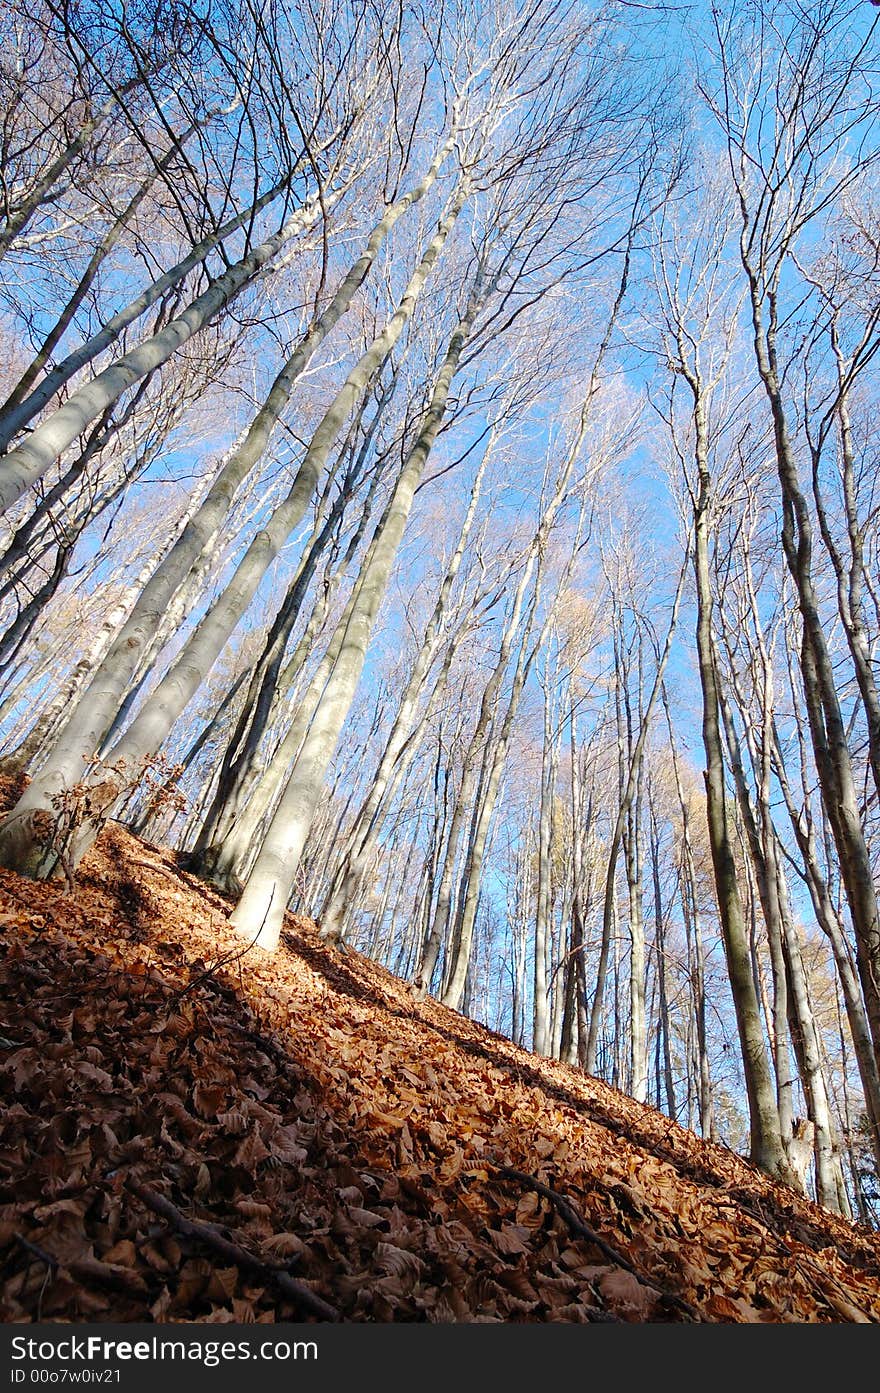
(210, 1235)
(567, 1211)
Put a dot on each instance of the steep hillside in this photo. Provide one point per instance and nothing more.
(193, 1130)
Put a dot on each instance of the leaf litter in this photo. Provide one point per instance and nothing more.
(197, 1131)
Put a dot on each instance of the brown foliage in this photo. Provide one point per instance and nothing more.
(313, 1117)
(89, 803)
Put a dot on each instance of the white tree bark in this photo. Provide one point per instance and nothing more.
(29, 461)
(260, 911)
(348, 875)
(92, 716)
(16, 417)
(183, 679)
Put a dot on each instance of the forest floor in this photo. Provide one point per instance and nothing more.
(195, 1131)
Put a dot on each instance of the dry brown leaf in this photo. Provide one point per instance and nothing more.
(511, 1238)
(364, 1218)
(627, 1297)
(251, 1151)
(398, 1262)
(285, 1245)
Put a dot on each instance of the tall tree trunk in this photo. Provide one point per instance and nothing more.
(16, 414)
(829, 923)
(761, 851)
(850, 574)
(347, 874)
(29, 461)
(827, 728)
(20, 849)
(260, 911)
(268, 685)
(766, 1150)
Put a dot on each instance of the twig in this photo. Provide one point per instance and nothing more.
(37, 1252)
(835, 1294)
(234, 955)
(210, 1235)
(829, 1288)
(568, 1212)
(122, 1279)
(51, 1263)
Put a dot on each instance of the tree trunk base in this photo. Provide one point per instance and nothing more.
(207, 866)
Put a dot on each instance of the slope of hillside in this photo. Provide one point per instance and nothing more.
(195, 1131)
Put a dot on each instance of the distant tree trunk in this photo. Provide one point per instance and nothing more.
(694, 933)
(549, 765)
(573, 1045)
(827, 728)
(628, 793)
(660, 938)
(632, 857)
(495, 751)
(437, 937)
(767, 1149)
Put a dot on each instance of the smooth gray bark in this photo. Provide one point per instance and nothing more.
(260, 911)
(29, 461)
(15, 417)
(90, 719)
